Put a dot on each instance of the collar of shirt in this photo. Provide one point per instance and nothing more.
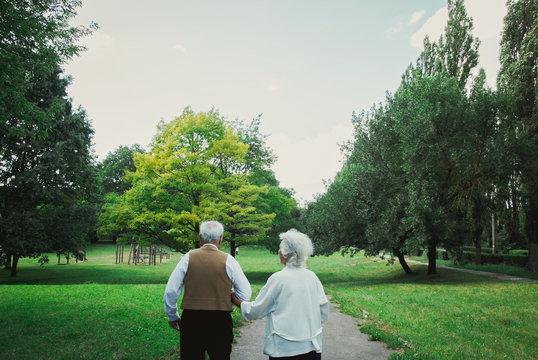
(215, 246)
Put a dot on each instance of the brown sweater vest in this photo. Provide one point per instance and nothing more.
(206, 284)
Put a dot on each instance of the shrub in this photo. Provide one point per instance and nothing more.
(495, 259)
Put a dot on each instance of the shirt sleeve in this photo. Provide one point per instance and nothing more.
(174, 287)
(323, 302)
(239, 280)
(324, 310)
(263, 305)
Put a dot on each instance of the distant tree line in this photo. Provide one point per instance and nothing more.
(444, 156)
(55, 197)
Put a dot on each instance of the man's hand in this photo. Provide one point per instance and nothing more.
(174, 324)
(235, 300)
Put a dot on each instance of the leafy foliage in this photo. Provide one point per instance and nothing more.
(518, 80)
(197, 169)
(46, 173)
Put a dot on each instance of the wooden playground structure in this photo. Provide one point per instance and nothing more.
(141, 254)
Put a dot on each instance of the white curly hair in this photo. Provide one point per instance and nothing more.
(297, 247)
(210, 231)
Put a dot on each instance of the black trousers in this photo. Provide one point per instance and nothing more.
(312, 355)
(203, 330)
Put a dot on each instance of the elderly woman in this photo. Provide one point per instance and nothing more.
(293, 301)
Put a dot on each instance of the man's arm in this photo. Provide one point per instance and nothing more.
(239, 280)
(174, 287)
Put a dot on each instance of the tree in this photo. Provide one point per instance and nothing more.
(378, 161)
(34, 38)
(113, 168)
(195, 171)
(47, 181)
(518, 79)
(276, 199)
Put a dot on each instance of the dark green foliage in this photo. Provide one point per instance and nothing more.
(276, 200)
(506, 259)
(46, 168)
(112, 170)
(48, 180)
(518, 80)
(35, 36)
(430, 167)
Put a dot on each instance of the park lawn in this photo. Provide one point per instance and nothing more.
(98, 310)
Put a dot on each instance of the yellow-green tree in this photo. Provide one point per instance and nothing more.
(194, 171)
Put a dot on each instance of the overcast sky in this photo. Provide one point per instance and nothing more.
(306, 65)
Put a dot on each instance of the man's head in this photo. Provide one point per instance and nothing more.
(211, 232)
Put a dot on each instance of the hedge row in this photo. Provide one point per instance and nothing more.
(515, 259)
(506, 259)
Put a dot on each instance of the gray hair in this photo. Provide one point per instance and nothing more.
(210, 231)
(297, 245)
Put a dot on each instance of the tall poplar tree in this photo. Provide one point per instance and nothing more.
(518, 79)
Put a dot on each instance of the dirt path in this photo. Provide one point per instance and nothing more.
(342, 340)
(479, 272)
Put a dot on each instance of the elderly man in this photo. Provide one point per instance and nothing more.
(207, 275)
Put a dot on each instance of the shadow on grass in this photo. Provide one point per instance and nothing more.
(418, 277)
(157, 275)
(80, 275)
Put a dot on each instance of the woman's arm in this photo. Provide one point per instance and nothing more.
(263, 305)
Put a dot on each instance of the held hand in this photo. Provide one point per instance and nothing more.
(174, 324)
(235, 300)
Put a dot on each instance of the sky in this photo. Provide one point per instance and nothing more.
(305, 65)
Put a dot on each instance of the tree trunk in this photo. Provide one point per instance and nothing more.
(478, 251)
(14, 266)
(477, 212)
(402, 261)
(197, 231)
(432, 256)
(532, 236)
(232, 248)
(8, 261)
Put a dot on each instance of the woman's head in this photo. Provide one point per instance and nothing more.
(296, 247)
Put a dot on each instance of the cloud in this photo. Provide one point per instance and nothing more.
(393, 30)
(487, 24)
(182, 49)
(433, 27)
(416, 16)
(399, 26)
(308, 160)
(272, 85)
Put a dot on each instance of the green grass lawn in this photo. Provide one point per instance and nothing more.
(98, 310)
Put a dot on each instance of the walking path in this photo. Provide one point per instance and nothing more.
(480, 272)
(342, 340)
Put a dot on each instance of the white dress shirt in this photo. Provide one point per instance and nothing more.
(295, 305)
(174, 287)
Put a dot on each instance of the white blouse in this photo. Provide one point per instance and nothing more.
(295, 305)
